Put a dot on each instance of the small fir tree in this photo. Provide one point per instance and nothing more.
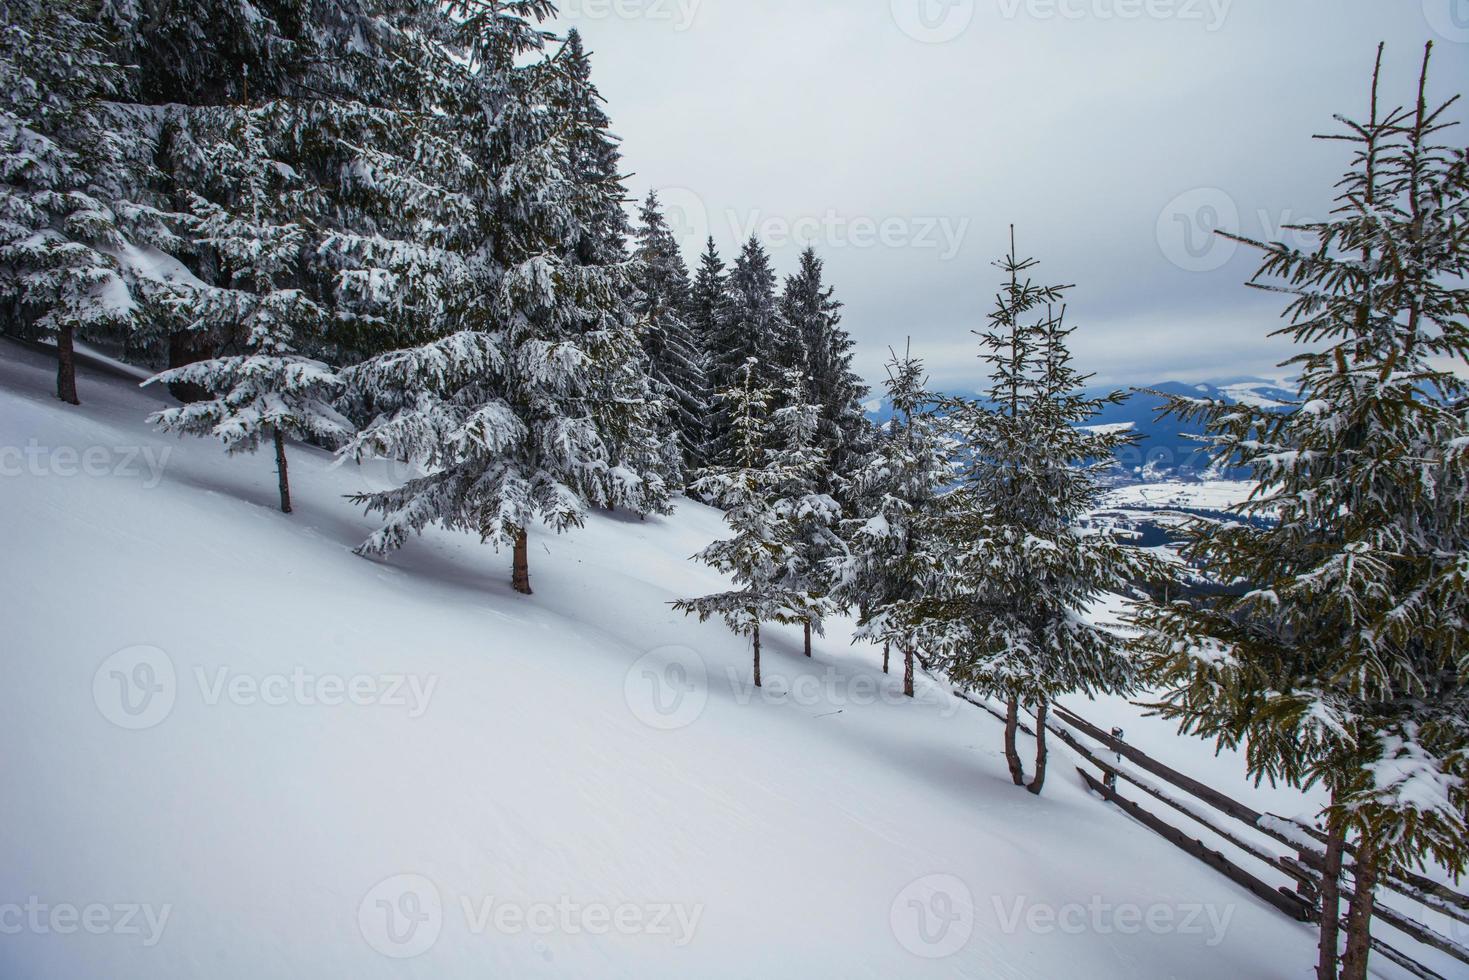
(895, 492)
(1010, 575)
(763, 551)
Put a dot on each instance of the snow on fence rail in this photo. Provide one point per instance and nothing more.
(1305, 867)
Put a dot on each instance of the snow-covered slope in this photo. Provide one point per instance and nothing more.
(233, 749)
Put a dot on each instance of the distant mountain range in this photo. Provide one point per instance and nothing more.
(1164, 450)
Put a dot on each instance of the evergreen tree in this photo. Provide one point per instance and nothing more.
(707, 315)
(594, 156)
(895, 491)
(1345, 663)
(763, 552)
(813, 515)
(813, 317)
(664, 306)
(62, 152)
(532, 405)
(1009, 575)
(632, 412)
(748, 327)
(269, 390)
(710, 302)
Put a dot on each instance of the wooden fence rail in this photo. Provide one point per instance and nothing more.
(1303, 864)
(1305, 868)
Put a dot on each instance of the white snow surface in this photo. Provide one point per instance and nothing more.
(1205, 494)
(530, 766)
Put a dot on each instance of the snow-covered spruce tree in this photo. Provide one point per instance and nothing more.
(894, 492)
(1009, 575)
(707, 312)
(813, 317)
(526, 406)
(61, 152)
(192, 60)
(663, 305)
(631, 411)
(594, 156)
(763, 550)
(749, 327)
(268, 391)
(357, 100)
(1345, 665)
(814, 516)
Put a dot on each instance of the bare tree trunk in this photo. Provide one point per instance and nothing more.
(807, 625)
(1359, 918)
(280, 468)
(1039, 782)
(1329, 953)
(908, 671)
(66, 366)
(1012, 754)
(757, 655)
(887, 653)
(520, 576)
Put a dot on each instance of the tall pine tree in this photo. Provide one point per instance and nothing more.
(63, 152)
(1344, 664)
(894, 493)
(1010, 575)
(532, 404)
(664, 306)
(749, 327)
(813, 318)
(267, 391)
(814, 516)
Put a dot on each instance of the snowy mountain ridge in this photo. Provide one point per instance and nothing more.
(1166, 450)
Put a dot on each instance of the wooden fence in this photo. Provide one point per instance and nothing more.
(1300, 857)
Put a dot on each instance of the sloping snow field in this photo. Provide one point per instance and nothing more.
(232, 749)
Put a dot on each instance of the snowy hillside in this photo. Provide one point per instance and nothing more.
(247, 753)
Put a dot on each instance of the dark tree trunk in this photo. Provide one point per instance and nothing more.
(1359, 918)
(185, 348)
(1012, 754)
(520, 575)
(280, 469)
(908, 671)
(807, 626)
(1329, 954)
(66, 367)
(757, 655)
(887, 654)
(1039, 782)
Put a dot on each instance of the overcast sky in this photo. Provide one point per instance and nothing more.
(903, 137)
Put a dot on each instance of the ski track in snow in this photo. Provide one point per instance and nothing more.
(794, 831)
